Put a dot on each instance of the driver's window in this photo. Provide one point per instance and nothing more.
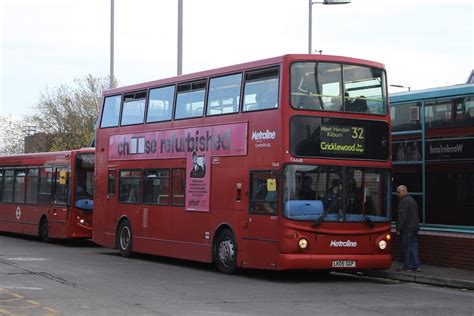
(264, 192)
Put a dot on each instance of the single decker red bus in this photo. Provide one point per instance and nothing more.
(282, 163)
(49, 195)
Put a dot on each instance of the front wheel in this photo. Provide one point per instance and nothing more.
(44, 230)
(125, 239)
(225, 255)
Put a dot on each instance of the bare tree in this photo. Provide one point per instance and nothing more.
(12, 135)
(68, 114)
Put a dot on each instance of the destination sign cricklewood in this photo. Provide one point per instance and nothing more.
(342, 139)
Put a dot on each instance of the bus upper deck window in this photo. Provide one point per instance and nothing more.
(261, 90)
(224, 95)
(160, 104)
(316, 86)
(133, 111)
(338, 87)
(190, 100)
(111, 111)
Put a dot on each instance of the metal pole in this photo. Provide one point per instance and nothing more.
(111, 79)
(180, 37)
(310, 25)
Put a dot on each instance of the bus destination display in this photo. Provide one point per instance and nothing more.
(325, 137)
(342, 139)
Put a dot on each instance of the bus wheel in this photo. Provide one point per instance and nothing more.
(124, 239)
(44, 230)
(226, 252)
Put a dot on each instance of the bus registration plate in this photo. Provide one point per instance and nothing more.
(344, 264)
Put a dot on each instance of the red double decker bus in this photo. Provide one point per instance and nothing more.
(282, 163)
(49, 195)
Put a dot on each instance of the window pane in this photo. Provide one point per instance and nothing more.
(364, 89)
(45, 182)
(224, 95)
(7, 186)
(405, 117)
(190, 100)
(465, 111)
(264, 193)
(156, 187)
(316, 86)
(160, 104)
(133, 111)
(406, 150)
(438, 114)
(111, 111)
(261, 90)
(19, 192)
(129, 186)
(178, 189)
(84, 181)
(32, 186)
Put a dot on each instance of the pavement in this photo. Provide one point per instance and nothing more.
(431, 275)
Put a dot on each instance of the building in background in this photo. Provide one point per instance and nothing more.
(433, 154)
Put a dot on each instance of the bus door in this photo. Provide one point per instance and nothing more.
(111, 201)
(260, 234)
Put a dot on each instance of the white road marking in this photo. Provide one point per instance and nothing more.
(27, 259)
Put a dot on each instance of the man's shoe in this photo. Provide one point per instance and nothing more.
(405, 270)
(417, 270)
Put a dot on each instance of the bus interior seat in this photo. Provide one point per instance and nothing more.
(308, 102)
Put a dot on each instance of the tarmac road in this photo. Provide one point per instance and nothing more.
(79, 278)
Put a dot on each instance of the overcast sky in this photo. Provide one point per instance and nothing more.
(45, 43)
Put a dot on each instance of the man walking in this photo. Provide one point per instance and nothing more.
(408, 225)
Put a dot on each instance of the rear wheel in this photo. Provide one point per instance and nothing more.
(44, 230)
(225, 255)
(125, 239)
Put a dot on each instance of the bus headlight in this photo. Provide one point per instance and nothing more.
(382, 244)
(303, 243)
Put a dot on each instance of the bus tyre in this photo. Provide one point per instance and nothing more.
(225, 256)
(125, 239)
(43, 230)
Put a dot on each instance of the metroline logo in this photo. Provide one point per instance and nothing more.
(260, 135)
(340, 243)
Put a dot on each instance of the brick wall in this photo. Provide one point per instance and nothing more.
(441, 249)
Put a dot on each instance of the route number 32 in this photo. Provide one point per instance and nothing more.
(357, 132)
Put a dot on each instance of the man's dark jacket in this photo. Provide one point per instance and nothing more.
(408, 220)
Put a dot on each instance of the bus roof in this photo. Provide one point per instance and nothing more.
(239, 67)
(6, 158)
(418, 95)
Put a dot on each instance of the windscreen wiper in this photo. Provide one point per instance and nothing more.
(320, 219)
(369, 221)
